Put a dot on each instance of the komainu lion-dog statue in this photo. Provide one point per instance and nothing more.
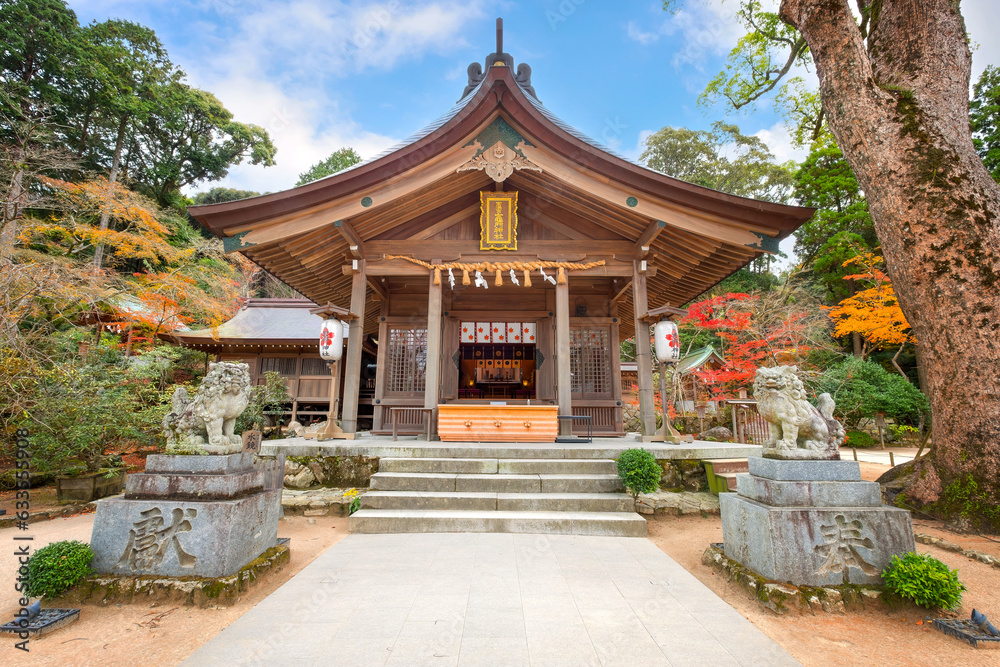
(204, 424)
(798, 430)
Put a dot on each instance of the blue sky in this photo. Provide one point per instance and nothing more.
(322, 74)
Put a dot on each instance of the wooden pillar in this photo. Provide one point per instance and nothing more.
(352, 369)
(643, 353)
(334, 389)
(433, 370)
(564, 385)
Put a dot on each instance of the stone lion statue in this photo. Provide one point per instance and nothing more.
(798, 430)
(204, 424)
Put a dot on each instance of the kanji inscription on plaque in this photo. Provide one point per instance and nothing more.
(498, 220)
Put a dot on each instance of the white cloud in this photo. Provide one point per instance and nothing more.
(705, 28)
(635, 33)
(294, 126)
(780, 142)
(270, 71)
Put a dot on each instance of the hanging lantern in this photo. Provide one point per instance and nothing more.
(667, 342)
(331, 340)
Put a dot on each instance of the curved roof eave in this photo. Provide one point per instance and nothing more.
(534, 119)
(388, 163)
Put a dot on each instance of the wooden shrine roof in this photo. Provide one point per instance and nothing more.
(582, 201)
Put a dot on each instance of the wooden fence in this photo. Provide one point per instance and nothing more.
(748, 426)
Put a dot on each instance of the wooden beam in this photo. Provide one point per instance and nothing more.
(617, 195)
(643, 353)
(620, 293)
(381, 293)
(352, 369)
(445, 223)
(436, 248)
(355, 244)
(647, 237)
(414, 180)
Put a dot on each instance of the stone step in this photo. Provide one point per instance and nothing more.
(601, 448)
(496, 482)
(558, 466)
(619, 524)
(729, 478)
(437, 465)
(729, 465)
(485, 501)
(507, 466)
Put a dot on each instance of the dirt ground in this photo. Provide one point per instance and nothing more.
(143, 634)
(165, 634)
(873, 637)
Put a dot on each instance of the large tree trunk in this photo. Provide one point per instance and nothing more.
(899, 109)
(112, 177)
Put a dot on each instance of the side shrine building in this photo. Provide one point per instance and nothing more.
(499, 256)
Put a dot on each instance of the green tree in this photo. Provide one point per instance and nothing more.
(339, 160)
(723, 159)
(219, 195)
(825, 181)
(124, 67)
(191, 137)
(861, 389)
(39, 41)
(984, 118)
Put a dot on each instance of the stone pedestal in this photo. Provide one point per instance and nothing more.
(201, 516)
(812, 523)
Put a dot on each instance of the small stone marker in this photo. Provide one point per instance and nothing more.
(251, 441)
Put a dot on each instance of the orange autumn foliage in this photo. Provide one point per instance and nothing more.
(133, 232)
(874, 312)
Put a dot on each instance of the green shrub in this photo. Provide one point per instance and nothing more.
(55, 568)
(863, 389)
(859, 439)
(639, 472)
(924, 580)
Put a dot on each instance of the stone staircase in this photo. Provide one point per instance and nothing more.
(512, 493)
(725, 471)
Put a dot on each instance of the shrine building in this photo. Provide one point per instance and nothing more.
(498, 256)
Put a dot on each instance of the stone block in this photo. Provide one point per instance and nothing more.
(183, 537)
(814, 546)
(809, 494)
(794, 471)
(498, 483)
(189, 486)
(199, 465)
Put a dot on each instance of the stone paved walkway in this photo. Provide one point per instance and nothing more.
(492, 599)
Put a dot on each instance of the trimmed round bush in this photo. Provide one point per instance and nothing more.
(925, 580)
(55, 568)
(639, 471)
(859, 439)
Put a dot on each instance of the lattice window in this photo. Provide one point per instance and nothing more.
(590, 361)
(406, 360)
(282, 365)
(312, 366)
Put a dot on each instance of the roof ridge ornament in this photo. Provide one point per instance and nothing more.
(499, 59)
(500, 150)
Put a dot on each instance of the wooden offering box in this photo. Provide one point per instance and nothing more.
(497, 423)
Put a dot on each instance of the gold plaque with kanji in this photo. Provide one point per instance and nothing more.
(498, 220)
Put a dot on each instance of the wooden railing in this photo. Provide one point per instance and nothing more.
(748, 426)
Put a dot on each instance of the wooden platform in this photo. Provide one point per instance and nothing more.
(497, 423)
